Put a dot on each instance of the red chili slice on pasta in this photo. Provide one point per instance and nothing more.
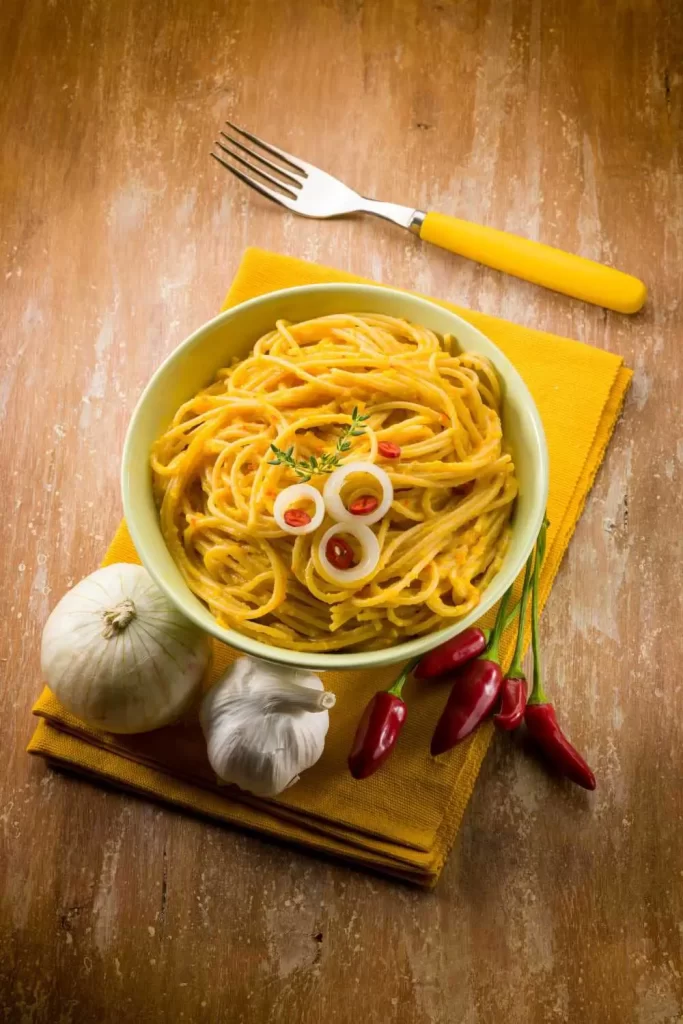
(339, 552)
(389, 450)
(294, 520)
(364, 505)
(296, 517)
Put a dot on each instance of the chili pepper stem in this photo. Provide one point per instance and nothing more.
(509, 619)
(399, 682)
(491, 651)
(516, 670)
(537, 695)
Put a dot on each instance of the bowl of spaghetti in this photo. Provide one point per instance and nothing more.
(335, 476)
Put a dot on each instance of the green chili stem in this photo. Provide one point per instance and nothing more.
(492, 649)
(509, 619)
(511, 615)
(397, 685)
(538, 695)
(516, 670)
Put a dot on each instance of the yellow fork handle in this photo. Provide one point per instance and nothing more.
(535, 262)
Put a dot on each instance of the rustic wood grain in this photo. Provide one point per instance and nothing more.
(561, 120)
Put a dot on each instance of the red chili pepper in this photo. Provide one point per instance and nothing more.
(364, 505)
(378, 729)
(513, 690)
(389, 450)
(474, 693)
(539, 717)
(458, 651)
(472, 698)
(512, 703)
(541, 721)
(339, 552)
(455, 652)
(296, 517)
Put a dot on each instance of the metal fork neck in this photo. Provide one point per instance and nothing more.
(404, 216)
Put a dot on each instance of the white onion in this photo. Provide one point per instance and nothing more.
(119, 655)
(369, 559)
(333, 487)
(287, 498)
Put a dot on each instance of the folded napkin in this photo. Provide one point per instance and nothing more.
(404, 819)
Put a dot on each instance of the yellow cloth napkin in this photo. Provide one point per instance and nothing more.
(404, 819)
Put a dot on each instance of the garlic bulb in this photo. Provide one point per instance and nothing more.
(119, 655)
(264, 724)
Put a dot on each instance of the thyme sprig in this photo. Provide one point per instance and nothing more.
(328, 461)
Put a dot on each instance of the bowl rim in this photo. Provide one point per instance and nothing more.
(324, 661)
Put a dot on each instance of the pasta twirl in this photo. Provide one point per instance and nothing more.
(446, 531)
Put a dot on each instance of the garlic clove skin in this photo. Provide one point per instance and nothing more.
(119, 655)
(265, 724)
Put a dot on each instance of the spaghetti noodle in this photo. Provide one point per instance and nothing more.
(444, 535)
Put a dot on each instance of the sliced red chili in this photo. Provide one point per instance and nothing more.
(296, 517)
(364, 505)
(339, 552)
(389, 450)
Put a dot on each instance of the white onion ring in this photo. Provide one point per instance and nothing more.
(370, 557)
(332, 493)
(298, 492)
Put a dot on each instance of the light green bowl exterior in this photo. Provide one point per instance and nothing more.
(193, 365)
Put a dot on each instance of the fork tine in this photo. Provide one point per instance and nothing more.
(276, 197)
(256, 170)
(263, 160)
(273, 150)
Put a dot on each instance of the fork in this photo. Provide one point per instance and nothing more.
(311, 192)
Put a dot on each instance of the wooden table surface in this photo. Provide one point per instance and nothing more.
(559, 120)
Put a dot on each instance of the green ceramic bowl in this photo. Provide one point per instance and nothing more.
(192, 366)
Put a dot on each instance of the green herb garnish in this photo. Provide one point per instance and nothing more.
(328, 462)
